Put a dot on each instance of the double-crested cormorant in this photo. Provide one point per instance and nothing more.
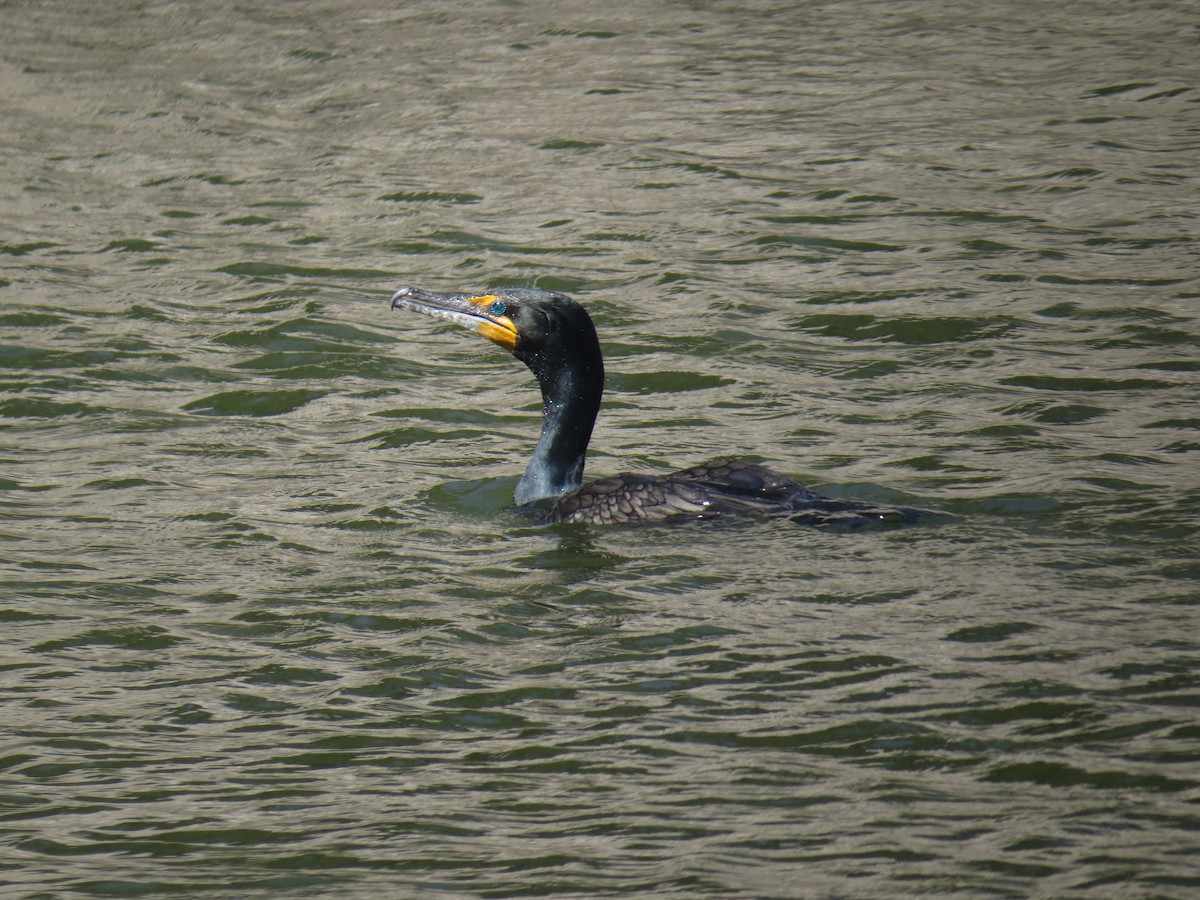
(554, 336)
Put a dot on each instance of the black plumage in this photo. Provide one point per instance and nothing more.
(554, 336)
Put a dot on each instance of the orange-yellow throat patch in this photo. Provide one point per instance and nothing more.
(498, 329)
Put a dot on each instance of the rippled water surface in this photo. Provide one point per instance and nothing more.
(270, 625)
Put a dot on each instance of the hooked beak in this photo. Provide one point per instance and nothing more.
(482, 313)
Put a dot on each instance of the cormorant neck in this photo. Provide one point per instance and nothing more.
(572, 384)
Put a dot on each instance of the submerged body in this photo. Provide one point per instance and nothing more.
(554, 336)
(718, 488)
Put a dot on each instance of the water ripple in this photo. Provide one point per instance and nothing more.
(271, 623)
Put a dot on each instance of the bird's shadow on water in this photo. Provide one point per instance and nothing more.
(575, 552)
(578, 554)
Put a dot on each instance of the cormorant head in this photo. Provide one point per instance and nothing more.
(547, 331)
(554, 336)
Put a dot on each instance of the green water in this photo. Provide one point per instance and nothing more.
(270, 625)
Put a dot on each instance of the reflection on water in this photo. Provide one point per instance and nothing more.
(271, 625)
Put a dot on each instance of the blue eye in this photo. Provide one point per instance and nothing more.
(498, 308)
